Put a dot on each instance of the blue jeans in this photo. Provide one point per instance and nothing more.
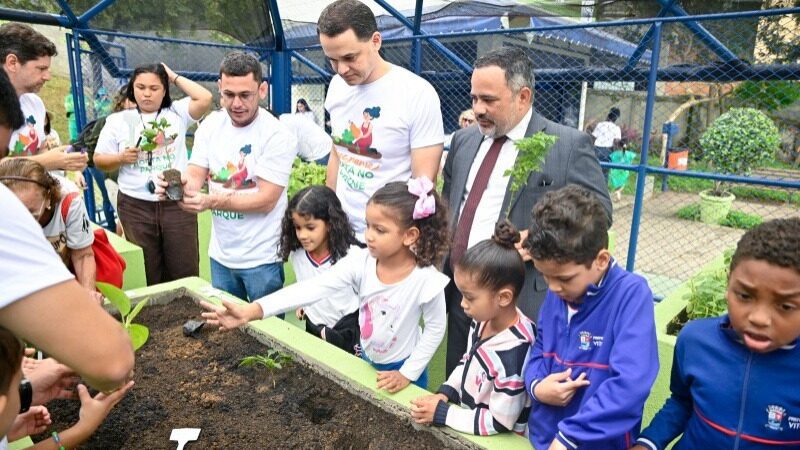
(603, 155)
(248, 284)
(324, 160)
(422, 381)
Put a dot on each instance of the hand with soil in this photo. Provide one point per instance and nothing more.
(424, 408)
(392, 380)
(34, 421)
(95, 409)
(230, 315)
(557, 389)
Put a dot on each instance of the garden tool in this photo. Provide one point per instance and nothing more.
(184, 435)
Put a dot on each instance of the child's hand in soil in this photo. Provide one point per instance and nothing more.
(423, 408)
(557, 389)
(300, 314)
(34, 421)
(95, 409)
(230, 315)
(392, 380)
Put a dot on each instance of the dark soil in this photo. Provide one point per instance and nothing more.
(676, 324)
(196, 382)
(174, 189)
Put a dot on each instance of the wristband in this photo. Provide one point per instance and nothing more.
(25, 396)
(175, 81)
(57, 440)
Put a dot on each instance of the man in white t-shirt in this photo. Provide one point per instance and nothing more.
(25, 55)
(313, 143)
(246, 155)
(607, 135)
(386, 121)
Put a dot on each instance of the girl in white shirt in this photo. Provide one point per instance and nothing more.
(315, 235)
(166, 233)
(395, 279)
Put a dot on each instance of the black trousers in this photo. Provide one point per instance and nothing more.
(457, 323)
(345, 334)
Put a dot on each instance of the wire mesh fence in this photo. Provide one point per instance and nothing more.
(702, 69)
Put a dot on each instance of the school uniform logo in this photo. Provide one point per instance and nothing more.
(586, 340)
(775, 415)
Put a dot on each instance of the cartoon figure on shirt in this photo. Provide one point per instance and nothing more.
(375, 320)
(357, 139)
(28, 140)
(235, 176)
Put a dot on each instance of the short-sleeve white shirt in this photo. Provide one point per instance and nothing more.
(123, 129)
(28, 262)
(404, 114)
(27, 140)
(235, 158)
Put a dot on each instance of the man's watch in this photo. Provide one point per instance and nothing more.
(25, 396)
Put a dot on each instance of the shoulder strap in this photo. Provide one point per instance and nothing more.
(65, 205)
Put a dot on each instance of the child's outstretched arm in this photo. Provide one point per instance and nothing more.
(615, 406)
(93, 411)
(671, 419)
(230, 315)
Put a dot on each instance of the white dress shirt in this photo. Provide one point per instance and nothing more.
(488, 211)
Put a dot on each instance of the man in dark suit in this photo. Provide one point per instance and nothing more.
(476, 190)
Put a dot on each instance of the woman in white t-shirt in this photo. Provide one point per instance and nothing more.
(65, 225)
(302, 109)
(607, 135)
(166, 233)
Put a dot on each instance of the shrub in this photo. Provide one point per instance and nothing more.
(734, 219)
(707, 295)
(739, 141)
(305, 174)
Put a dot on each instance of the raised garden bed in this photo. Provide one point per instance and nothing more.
(186, 382)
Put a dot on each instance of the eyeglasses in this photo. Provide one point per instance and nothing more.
(468, 121)
(243, 96)
(38, 215)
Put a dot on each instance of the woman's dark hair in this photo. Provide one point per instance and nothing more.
(303, 102)
(18, 172)
(495, 263)
(613, 115)
(10, 112)
(776, 242)
(47, 126)
(434, 238)
(161, 73)
(373, 112)
(568, 225)
(10, 359)
(317, 202)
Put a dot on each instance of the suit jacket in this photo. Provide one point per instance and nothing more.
(571, 160)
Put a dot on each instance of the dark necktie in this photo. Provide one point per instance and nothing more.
(461, 238)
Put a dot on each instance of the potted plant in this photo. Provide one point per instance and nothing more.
(737, 142)
(156, 136)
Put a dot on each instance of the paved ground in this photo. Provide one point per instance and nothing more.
(669, 250)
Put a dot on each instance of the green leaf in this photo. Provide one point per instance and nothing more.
(139, 335)
(531, 153)
(135, 312)
(116, 296)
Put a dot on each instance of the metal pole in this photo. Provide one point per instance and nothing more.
(416, 49)
(642, 169)
(281, 90)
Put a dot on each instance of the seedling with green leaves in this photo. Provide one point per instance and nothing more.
(531, 152)
(117, 297)
(155, 135)
(273, 360)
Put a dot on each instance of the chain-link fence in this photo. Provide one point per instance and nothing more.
(667, 82)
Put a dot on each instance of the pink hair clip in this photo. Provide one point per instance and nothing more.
(426, 205)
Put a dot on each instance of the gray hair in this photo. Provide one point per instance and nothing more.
(239, 64)
(516, 64)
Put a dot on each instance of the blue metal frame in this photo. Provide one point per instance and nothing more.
(90, 13)
(446, 52)
(312, 65)
(642, 169)
(416, 51)
(707, 38)
(644, 43)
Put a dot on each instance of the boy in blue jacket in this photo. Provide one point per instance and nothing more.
(735, 378)
(595, 355)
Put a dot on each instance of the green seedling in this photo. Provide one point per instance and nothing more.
(117, 297)
(531, 152)
(155, 135)
(273, 360)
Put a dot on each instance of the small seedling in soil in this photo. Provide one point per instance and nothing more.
(530, 158)
(273, 360)
(137, 332)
